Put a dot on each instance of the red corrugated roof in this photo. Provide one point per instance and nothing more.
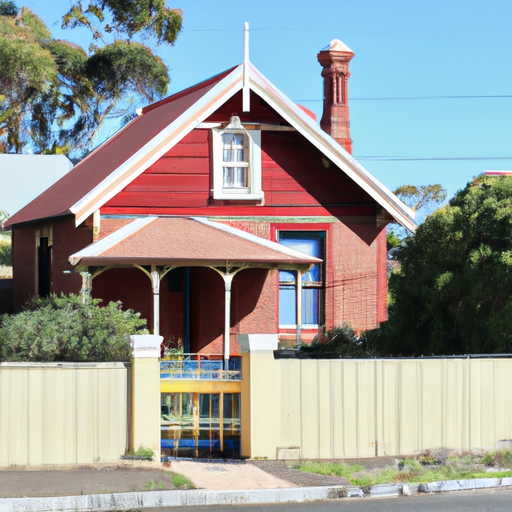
(168, 240)
(91, 171)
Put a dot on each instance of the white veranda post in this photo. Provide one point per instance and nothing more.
(155, 284)
(228, 280)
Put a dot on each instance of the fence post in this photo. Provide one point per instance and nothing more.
(146, 392)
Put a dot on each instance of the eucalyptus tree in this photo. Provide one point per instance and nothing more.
(424, 198)
(55, 95)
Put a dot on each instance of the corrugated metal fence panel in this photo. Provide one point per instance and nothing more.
(290, 416)
(265, 397)
(360, 408)
(62, 413)
(310, 417)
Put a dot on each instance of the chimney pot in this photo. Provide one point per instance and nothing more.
(335, 60)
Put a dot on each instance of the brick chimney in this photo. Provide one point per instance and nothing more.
(335, 121)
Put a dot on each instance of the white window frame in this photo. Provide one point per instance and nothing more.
(253, 191)
(316, 285)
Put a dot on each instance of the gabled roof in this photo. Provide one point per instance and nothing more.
(115, 161)
(112, 166)
(187, 241)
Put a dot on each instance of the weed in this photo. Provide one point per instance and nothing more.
(180, 481)
(452, 467)
(498, 459)
(427, 459)
(142, 451)
(153, 486)
(330, 468)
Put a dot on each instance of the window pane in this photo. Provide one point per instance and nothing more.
(287, 307)
(233, 147)
(239, 179)
(235, 177)
(308, 242)
(176, 408)
(287, 276)
(228, 176)
(231, 411)
(209, 410)
(310, 305)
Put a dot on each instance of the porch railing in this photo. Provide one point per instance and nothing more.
(195, 366)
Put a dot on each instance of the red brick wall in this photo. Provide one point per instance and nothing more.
(383, 276)
(24, 265)
(356, 273)
(357, 291)
(66, 240)
(129, 285)
(253, 307)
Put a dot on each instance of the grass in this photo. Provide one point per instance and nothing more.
(180, 481)
(154, 486)
(423, 469)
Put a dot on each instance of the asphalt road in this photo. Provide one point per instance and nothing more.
(495, 500)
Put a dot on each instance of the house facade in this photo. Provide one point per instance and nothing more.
(234, 152)
(223, 213)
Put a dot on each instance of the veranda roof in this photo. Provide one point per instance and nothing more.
(186, 241)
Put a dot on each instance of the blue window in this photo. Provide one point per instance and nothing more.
(311, 243)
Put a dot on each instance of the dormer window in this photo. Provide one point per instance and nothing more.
(237, 162)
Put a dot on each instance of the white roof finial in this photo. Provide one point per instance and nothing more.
(337, 46)
(246, 93)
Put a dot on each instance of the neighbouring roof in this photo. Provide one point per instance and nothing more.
(112, 166)
(24, 177)
(185, 241)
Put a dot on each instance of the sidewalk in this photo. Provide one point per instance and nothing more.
(122, 487)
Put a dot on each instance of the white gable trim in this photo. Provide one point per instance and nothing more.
(158, 146)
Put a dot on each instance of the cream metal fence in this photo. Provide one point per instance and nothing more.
(63, 413)
(329, 409)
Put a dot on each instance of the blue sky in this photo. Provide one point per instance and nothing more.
(403, 49)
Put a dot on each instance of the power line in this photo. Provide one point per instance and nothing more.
(400, 98)
(426, 159)
(291, 29)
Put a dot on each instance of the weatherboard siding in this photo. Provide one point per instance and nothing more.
(181, 178)
(294, 175)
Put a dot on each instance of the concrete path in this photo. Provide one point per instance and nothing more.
(228, 477)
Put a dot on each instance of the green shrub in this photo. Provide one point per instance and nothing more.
(499, 459)
(343, 341)
(142, 451)
(64, 328)
(5, 251)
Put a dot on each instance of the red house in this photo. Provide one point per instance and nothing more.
(221, 210)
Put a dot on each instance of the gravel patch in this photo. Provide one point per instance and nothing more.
(281, 470)
(82, 480)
